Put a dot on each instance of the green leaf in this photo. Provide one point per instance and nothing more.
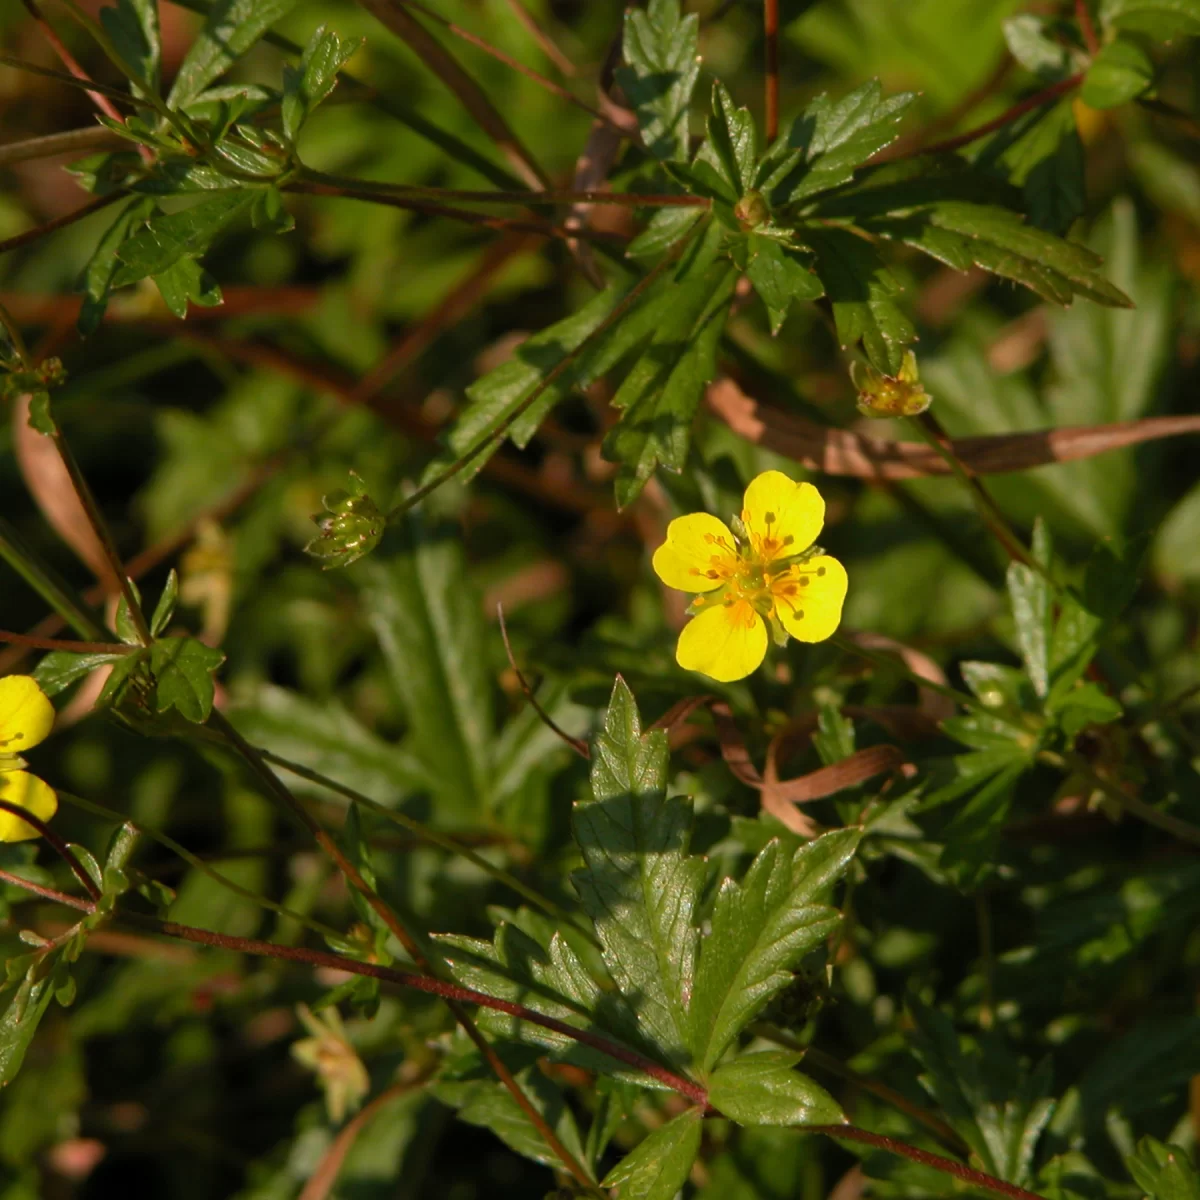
(230, 29)
(169, 237)
(187, 280)
(663, 230)
(304, 87)
(763, 1089)
(662, 64)
(183, 675)
(96, 281)
(20, 1021)
(830, 139)
(1162, 18)
(964, 235)
(61, 668)
(495, 396)
(658, 1167)
(1164, 1172)
(1121, 72)
(164, 610)
(491, 1106)
(779, 276)
(1081, 706)
(325, 737)
(1030, 597)
(1032, 42)
(268, 213)
(124, 623)
(732, 145)
(662, 391)
(861, 290)
(760, 930)
(427, 618)
(996, 1107)
(133, 27)
(638, 884)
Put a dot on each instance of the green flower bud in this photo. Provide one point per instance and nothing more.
(752, 210)
(351, 527)
(881, 395)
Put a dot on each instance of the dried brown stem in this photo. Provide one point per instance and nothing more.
(41, 643)
(543, 39)
(72, 141)
(771, 34)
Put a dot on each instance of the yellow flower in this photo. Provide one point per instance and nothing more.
(766, 575)
(25, 719)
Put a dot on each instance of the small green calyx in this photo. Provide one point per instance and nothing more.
(351, 527)
(752, 210)
(900, 395)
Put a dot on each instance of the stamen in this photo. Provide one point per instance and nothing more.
(769, 518)
(820, 570)
(787, 541)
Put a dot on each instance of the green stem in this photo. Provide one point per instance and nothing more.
(432, 836)
(72, 141)
(47, 585)
(1133, 805)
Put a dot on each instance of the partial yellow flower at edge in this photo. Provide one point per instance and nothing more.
(762, 576)
(26, 791)
(26, 716)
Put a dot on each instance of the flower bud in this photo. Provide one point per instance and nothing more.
(752, 210)
(351, 527)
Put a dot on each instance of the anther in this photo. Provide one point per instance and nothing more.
(820, 570)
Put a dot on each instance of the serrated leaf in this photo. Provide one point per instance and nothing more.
(61, 668)
(427, 618)
(760, 929)
(183, 676)
(169, 237)
(639, 884)
(998, 1109)
(658, 1166)
(1162, 18)
(662, 64)
(495, 396)
(19, 1023)
(1164, 1172)
(731, 148)
(132, 27)
(965, 235)
(862, 291)
(230, 29)
(304, 87)
(187, 280)
(663, 389)
(763, 1089)
(96, 280)
(831, 138)
(779, 276)
(1121, 72)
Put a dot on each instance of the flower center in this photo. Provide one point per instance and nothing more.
(754, 582)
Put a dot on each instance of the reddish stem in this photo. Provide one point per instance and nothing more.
(68, 60)
(852, 1133)
(1037, 100)
(1090, 40)
(77, 214)
(56, 843)
(41, 643)
(47, 893)
(771, 31)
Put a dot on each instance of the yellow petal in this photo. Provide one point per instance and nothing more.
(724, 642)
(25, 714)
(30, 793)
(685, 558)
(782, 516)
(808, 600)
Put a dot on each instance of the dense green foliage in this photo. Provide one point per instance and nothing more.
(328, 330)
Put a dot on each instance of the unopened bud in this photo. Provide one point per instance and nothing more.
(752, 210)
(351, 527)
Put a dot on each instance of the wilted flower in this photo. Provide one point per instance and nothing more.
(329, 1054)
(767, 574)
(26, 717)
(881, 395)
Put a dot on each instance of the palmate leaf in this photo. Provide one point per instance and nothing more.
(639, 884)
(760, 929)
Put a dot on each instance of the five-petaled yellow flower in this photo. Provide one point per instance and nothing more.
(25, 719)
(765, 574)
